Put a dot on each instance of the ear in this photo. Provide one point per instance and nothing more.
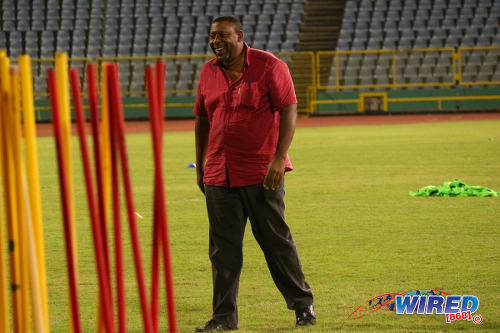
(240, 35)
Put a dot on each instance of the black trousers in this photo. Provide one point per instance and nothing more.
(228, 211)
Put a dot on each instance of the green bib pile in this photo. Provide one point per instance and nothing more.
(456, 188)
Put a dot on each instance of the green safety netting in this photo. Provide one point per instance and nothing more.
(456, 188)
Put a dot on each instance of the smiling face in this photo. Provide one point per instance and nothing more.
(225, 41)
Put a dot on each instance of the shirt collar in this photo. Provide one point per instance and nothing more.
(248, 50)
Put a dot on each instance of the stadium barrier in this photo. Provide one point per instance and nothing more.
(355, 69)
(481, 59)
(412, 101)
(178, 102)
(330, 81)
(407, 80)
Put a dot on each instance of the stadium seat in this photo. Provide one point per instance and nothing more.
(425, 16)
(128, 27)
(3, 40)
(492, 58)
(288, 46)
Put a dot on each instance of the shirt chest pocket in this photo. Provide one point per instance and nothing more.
(251, 95)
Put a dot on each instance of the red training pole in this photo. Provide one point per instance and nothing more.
(156, 227)
(105, 290)
(63, 181)
(115, 98)
(156, 234)
(160, 74)
(161, 217)
(117, 224)
(159, 86)
(155, 274)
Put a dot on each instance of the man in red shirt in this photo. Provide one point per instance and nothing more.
(246, 111)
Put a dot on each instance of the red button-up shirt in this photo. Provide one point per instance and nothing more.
(244, 117)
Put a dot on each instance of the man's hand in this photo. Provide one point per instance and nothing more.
(275, 173)
(276, 169)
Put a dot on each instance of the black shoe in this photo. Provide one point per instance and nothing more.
(305, 316)
(213, 325)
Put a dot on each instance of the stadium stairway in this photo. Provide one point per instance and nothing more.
(321, 25)
(319, 30)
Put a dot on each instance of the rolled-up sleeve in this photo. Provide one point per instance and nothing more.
(281, 89)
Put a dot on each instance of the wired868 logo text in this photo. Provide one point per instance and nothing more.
(453, 307)
(423, 302)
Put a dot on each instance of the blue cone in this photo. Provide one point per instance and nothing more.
(191, 166)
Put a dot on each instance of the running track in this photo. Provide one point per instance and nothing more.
(350, 120)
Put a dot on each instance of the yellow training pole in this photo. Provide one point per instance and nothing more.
(105, 148)
(4, 314)
(36, 300)
(30, 276)
(15, 137)
(10, 196)
(33, 178)
(106, 167)
(61, 69)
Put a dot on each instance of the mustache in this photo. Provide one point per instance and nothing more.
(220, 45)
(228, 53)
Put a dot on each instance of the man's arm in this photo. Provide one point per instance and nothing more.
(201, 130)
(276, 170)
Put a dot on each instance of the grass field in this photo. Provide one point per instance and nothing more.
(358, 232)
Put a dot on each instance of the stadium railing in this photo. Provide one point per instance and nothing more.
(327, 81)
(181, 81)
(432, 79)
